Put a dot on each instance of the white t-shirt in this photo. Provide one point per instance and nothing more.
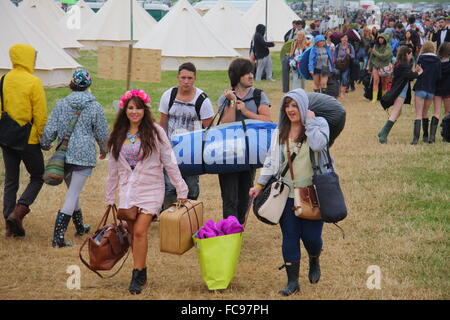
(182, 115)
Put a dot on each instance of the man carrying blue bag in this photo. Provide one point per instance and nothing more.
(184, 108)
(241, 102)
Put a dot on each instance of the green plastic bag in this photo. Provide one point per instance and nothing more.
(218, 258)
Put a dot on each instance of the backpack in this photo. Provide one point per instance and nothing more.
(395, 44)
(256, 96)
(198, 103)
(445, 128)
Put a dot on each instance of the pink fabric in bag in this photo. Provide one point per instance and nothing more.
(226, 226)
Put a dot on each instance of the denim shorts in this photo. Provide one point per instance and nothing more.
(321, 72)
(424, 95)
(404, 92)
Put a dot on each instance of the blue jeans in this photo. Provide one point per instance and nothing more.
(294, 229)
(344, 77)
(295, 77)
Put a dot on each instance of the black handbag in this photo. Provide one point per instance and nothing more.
(12, 135)
(329, 193)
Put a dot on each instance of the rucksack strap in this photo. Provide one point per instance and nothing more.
(198, 103)
(173, 95)
(256, 96)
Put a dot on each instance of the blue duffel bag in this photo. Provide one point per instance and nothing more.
(226, 148)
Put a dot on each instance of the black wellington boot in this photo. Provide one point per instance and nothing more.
(416, 132)
(433, 128)
(81, 227)
(425, 122)
(314, 269)
(138, 281)
(293, 271)
(61, 224)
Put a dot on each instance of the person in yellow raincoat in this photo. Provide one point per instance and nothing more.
(24, 101)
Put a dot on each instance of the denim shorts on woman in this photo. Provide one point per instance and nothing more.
(424, 95)
(404, 92)
(321, 72)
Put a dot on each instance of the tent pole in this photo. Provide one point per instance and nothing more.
(130, 47)
(266, 21)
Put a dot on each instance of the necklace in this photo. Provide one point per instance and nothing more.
(132, 138)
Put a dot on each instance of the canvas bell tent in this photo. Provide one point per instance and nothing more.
(228, 24)
(183, 36)
(76, 17)
(45, 15)
(279, 19)
(111, 25)
(53, 65)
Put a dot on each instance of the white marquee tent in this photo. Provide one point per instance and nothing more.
(279, 19)
(228, 24)
(70, 19)
(111, 25)
(53, 66)
(183, 36)
(44, 15)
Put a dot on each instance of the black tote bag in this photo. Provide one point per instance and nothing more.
(12, 135)
(329, 193)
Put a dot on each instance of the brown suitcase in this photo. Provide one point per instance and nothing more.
(177, 224)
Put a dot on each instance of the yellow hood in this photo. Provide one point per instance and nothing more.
(23, 55)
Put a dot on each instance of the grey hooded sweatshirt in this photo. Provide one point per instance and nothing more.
(317, 136)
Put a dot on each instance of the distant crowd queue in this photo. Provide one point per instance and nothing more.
(384, 58)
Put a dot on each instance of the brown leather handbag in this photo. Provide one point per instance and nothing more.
(109, 243)
(309, 206)
(306, 205)
(128, 214)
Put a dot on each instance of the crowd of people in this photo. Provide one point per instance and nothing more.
(141, 170)
(360, 51)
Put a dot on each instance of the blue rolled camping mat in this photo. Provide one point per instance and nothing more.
(226, 148)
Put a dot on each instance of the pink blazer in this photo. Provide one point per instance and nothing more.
(144, 186)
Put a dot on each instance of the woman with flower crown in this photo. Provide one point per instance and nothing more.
(139, 150)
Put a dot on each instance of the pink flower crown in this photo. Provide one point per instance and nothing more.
(134, 93)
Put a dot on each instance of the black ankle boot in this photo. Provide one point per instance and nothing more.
(416, 132)
(81, 228)
(293, 271)
(138, 281)
(433, 128)
(425, 122)
(61, 224)
(314, 269)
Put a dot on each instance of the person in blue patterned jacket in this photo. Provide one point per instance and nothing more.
(91, 126)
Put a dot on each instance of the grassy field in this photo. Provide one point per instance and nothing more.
(398, 198)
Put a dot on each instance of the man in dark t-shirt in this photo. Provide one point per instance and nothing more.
(240, 103)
